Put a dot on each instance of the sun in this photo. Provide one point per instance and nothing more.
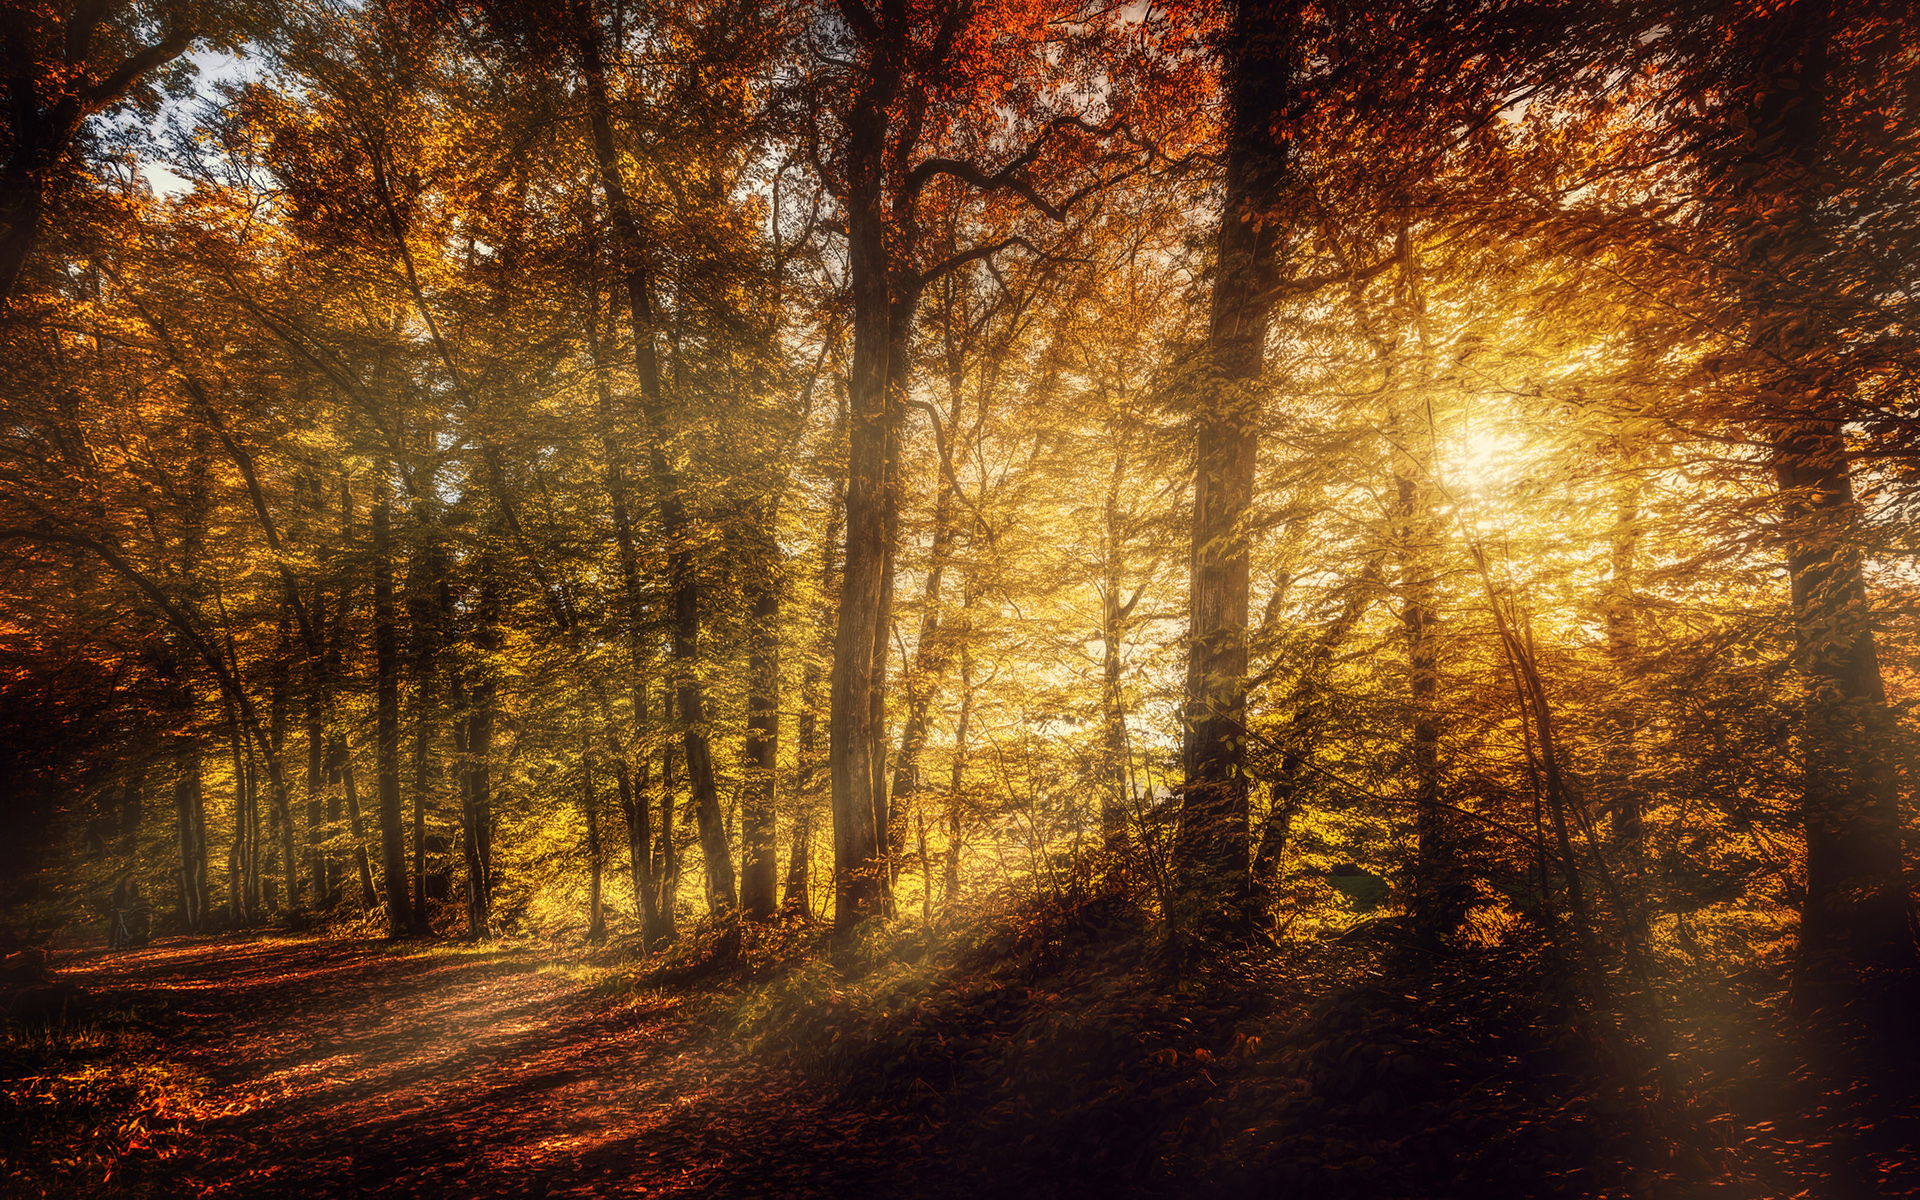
(1489, 457)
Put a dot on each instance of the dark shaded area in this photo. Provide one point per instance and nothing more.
(341, 1069)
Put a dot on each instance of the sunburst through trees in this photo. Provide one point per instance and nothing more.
(1421, 488)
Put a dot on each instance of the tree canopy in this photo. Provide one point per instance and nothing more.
(618, 468)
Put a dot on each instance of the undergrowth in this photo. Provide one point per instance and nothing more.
(1057, 1049)
(87, 1108)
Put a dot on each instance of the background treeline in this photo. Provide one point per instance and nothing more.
(596, 465)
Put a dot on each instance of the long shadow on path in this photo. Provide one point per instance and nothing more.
(344, 1069)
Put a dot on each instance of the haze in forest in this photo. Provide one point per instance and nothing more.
(1180, 598)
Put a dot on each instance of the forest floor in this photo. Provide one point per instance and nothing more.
(1048, 1053)
(323, 1067)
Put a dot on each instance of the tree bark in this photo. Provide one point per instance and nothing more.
(957, 770)
(281, 689)
(1620, 789)
(759, 875)
(798, 896)
(596, 853)
(316, 780)
(1114, 612)
(1438, 896)
(676, 523)
(343, 760)
(191, 820)
(386, 651)
(473, 743)
(859, 863)
(429, 606)
(636, 804)
(929, 667)
(1211, 848)
(240, 855)
(1856, 915)
(636, 807)
(669, 855)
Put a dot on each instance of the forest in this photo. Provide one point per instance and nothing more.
(959, 597)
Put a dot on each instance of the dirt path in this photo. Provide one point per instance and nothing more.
(344, 1069)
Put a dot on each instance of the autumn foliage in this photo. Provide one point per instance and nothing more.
(1285, 596)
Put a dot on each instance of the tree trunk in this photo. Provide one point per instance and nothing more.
(669, 855)
(475, 744)
(636, 807)
(422, 784)
(859, 865)
(676, 524)
(1856, 915)
(316, 786)
(1211, 850)
(281, 688)
(596, 853)
(799, 895)
(240, 891)
(429, 604)
(386, 650)
(956, 771)
(1114, 797)
(924, 676)
(191, 820)
(635, 804)
(356, 829)
(891, 830)
(759, 875)
(1619, 787)
(1438, 896)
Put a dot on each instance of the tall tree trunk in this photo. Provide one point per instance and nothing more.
(799, 894)
(669, 855)
(429, 603)
(190, 787)
(281, 689)
(924, 677)
(332, 668)
(473, 742)
(191, 820)
(386, 653)
(474, 745)
(1619, 787)
(675, 521)
(342, 758)
(759, 874)
(596, 852)
(957, 770)
(1439, 899)
(888, 822)
(859, 865)
(1115, 795)
(240, 855)
(316, 780)
(422, 787)
(1856, 916)
(1212, 850)
(636, 804)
